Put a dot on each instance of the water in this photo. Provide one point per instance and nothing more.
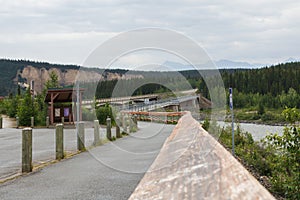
(258, 131)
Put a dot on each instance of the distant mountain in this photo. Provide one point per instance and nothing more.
(176, 66)
(291, 60)
(237, 64)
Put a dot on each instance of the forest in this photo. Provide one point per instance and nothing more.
(258, 94)
(271, 87)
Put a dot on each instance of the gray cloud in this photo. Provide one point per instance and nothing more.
(68, 30)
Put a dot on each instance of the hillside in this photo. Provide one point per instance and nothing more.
(273, 79)
(14, 72)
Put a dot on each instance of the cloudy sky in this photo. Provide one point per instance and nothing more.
(67, 31)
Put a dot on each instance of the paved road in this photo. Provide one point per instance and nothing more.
(43, 147)
(110, 171)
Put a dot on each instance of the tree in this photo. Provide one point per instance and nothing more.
(53, 81)
(26, 109)
(103, 112)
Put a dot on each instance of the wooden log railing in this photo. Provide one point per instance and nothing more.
(193, 165)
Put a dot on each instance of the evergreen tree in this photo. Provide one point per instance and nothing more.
(26, 109)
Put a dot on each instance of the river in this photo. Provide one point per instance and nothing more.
(258, 131)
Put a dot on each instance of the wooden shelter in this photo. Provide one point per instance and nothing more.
(60, 102)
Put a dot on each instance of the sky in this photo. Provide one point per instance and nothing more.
(67, 31)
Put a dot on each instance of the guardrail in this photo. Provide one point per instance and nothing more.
(161, 117)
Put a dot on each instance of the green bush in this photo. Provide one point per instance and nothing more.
(267, 117)
(205, 124)
(26, 109)
(103, 112)
(286, 159)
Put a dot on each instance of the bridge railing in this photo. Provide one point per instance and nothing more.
(161, 117)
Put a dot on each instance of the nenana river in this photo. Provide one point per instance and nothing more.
(258, 131)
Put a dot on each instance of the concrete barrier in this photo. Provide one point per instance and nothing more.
(193, 165)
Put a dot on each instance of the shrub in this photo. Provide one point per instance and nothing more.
(103, 112)
(26, 109)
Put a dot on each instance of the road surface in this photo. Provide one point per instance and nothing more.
(110, 171)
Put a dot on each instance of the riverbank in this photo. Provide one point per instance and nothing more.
(271, 117)
(262, 158)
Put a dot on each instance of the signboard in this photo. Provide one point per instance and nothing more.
(57, 112)
(66, 112)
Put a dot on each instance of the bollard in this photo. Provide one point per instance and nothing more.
(108, 128)
(47, 122)
(17, 122)
(62, 120)
(27, 150)
(96, 133)
(59, 141)
(121, 120)
(129, 121)
(80, 137)
(1, 120)
(32, 122)
(118, 133)
(135, 122)
(124, 124)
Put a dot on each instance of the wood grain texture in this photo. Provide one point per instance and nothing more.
(193, 165)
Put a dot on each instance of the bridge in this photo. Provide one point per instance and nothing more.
(153, 102)
(122, 100)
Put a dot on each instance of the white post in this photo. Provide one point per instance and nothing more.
(232, 118)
